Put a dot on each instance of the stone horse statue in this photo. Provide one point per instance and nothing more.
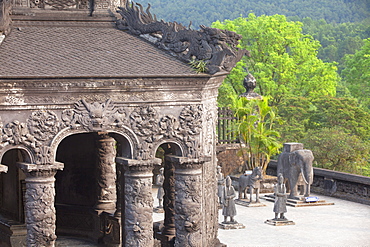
(251, 181)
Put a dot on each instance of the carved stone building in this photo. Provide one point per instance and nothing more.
(84, 108)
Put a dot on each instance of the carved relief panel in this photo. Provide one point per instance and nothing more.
(148, 125)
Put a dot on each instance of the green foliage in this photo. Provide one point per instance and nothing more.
(294, 111)
(331, 128)
(337, 40)
(336, 149)
(304, 114)
(283, 60)
(207, 11)
(255, 123)
(341, 112)
(357, 74)
(199, 66)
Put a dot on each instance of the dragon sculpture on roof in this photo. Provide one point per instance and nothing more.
(217, 48)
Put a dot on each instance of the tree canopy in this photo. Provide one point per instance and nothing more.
(357, 74)
(337, 130)
(283, 60)
(207, 11)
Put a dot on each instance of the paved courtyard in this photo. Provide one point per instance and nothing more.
(342, 224)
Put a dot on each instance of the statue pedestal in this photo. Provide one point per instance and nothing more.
(246, 203)
(230, 225)
(279, 222)
(299, 203)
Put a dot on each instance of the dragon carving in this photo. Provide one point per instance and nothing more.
(218, 48)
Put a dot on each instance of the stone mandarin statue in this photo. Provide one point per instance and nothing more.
(159, 181)
(228, 209)
(220, 184)
(280, 198)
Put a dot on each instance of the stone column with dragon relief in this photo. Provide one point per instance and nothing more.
(169, 231)
(188, 200)
(106, 173)
(39, 203)
(138, 202)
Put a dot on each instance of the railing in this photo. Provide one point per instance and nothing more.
(226, 123)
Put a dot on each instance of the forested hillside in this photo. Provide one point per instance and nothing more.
(310, 59)
(207, 11)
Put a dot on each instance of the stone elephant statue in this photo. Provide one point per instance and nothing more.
(293, 163)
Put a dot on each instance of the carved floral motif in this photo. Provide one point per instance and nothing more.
(43, 125)
(43, 155)
(168, 126)
(191, 120)
(59, 4)
(144, 122)
(16, 133)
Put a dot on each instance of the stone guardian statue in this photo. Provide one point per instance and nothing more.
(280, 198)
(228, 209)
(159, 182)
(220, 184)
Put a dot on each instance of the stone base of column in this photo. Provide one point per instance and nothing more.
(13, 234)
(105, 206)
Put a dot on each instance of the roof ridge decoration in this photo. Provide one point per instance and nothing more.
(216, 47)
(5, 20)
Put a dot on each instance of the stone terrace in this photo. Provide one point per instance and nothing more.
(343, 224)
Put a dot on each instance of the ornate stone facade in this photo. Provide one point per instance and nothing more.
(93, 122)
(145, 127)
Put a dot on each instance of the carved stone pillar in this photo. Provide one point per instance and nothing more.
(169, 231)
(39, 203)
(188, 200)
(106, 173)
(138, 202)
(119, 184)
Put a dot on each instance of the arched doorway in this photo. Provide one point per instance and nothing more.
(12, 190)
(80, 197)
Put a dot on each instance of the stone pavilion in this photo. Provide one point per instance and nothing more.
(88, 97)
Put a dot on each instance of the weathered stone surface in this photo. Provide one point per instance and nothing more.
(228, 226)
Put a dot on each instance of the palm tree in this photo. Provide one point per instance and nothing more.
(255, 121)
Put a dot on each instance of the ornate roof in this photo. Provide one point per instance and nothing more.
(54, 51)
(46, 43)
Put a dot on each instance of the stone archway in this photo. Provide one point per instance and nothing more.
(75, 186)
(88, 190)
